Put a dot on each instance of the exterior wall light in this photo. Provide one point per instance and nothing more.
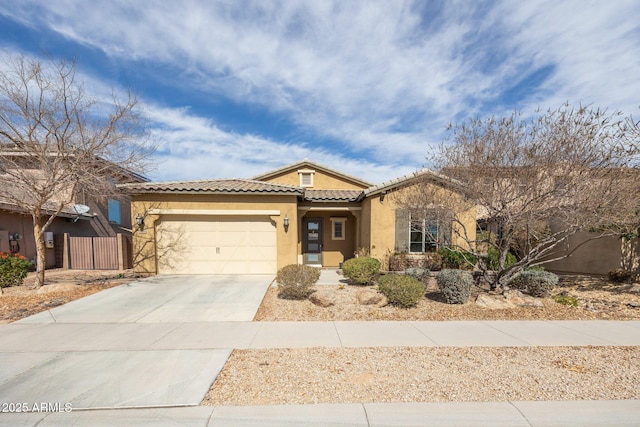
(140, 221)
(285, 223)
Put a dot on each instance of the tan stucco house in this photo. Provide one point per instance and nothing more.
(303, 213)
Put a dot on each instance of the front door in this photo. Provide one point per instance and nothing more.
(312, 241)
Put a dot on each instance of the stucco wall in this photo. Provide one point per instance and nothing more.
(594, 257)
(321, 180)
(144, 245)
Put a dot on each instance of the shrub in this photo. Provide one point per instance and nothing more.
(566, 300)
(455, 285)
(492, 259)
(361, 270)
(535, 282)
(620, 275)
(457, 259)
(404, 291)
(433, 261)
(13, 269)
(398, 262)
(295, 281)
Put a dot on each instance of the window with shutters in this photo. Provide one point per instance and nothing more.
(427, 232)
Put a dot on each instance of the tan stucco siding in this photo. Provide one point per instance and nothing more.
(144, 242)
(321, 181)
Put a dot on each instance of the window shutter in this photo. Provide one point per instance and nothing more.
(402, 230)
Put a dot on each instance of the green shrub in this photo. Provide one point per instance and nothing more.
(566, 300)
(455, 285)
(404, 291)
(620, 275)
(361, 270)
(13, 269)
(535, 282)
(457, 259)
(492, 259)
(295, 281)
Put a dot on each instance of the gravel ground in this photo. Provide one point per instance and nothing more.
(343, 375)
(597, 299)
(65, 286)
(323, 375)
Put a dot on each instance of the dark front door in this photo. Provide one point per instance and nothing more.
(312, 240)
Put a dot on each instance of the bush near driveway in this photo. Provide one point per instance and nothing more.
(455, 285)
(362, 270)
(13, 269)
(296, 281)
(404, 291)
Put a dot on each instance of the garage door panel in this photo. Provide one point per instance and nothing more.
(216, 245)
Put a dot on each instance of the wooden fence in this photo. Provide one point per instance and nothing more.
(96, 253)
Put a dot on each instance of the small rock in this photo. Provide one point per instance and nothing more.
(57, 287)
(322, 298)
(371, 297)
(634, 304)
(635, 288)
(54, 303)
(493, 302)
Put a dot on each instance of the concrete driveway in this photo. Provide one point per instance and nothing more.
(81, 353)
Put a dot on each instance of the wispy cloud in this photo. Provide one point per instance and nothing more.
(381, 78)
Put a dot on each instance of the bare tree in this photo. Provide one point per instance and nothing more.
(535, 182)
(56, 141)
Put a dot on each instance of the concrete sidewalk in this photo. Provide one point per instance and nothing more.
(65, 337)
(527, 414)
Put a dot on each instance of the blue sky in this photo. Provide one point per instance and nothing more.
(235, 88)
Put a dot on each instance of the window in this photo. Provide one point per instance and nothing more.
(338, 228)
(306, 177)
(427, 235)
(114, 211)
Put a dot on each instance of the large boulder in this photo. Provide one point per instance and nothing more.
(494, 302)
(58, 287)
(323, 298)
(371, 297)
(516, 297)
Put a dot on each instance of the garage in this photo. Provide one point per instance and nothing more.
(216, 245)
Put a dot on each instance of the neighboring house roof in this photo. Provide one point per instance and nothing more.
(406, 180)
(49, 209)
(307, 164)
(332, 195)
(214, 186)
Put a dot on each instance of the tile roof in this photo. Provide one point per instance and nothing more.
(214, 186)
(332, 195)
(407, 179)
(313, 165)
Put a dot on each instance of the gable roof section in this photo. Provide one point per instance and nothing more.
(408, 180)
(307, 164)
(213, 186)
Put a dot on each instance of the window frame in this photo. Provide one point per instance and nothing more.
(306, 172)
(343, 222)
(114, 211)
(426, 228)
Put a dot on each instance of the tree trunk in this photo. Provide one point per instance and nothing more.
(38, 233)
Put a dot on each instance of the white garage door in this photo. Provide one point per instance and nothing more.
(216, 245)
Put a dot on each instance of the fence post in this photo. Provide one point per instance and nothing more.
(66, 259)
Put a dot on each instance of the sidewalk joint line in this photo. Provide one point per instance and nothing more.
(335, 328)
(366, 415)
(521, 413)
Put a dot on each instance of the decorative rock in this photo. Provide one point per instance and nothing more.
(57, 287)
(633, 304)
(322, 298)
(492, 302)
(516, 297)
(371, 297)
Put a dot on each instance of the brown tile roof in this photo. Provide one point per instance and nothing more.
(332, 195)
(214, 186)
(308, 164)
